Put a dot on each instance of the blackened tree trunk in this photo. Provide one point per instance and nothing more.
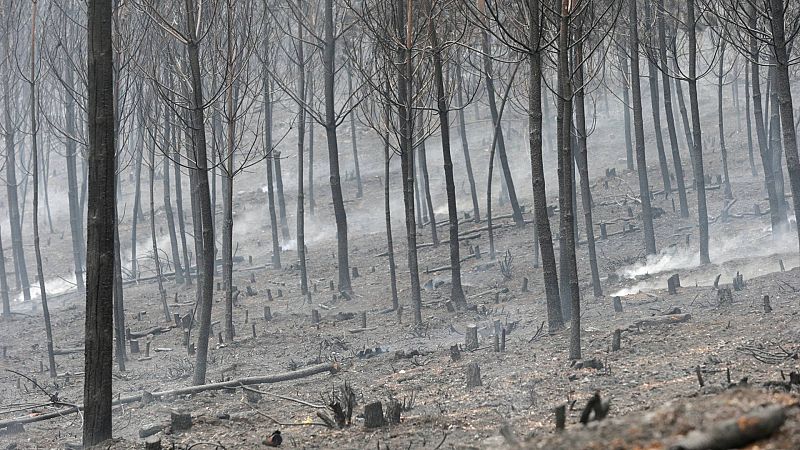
(668, 110)
(652, 78)
(638, 126)
(6, 313)
(501, 144)
(97, 393)
(268, 151)
(281, 197)
(204, 199)
(784, 92)
(749, 120)
(583, 164)
(776, 148)
(301, 135)
(387, 210)
(626, 108)
(422, 151)
(329, 62)
(137, 193)
(687, 128)
(721, 121)
(34, 111)
(312, 202)
(462, 129)
(566, 178)
(227, 180)
(761, 133)
(697, 136)
(176, 157)
(173, 239)
(153, 236)
(75, 210)
(555, 320)
(406, 116)
(356, 166)
(15, 221)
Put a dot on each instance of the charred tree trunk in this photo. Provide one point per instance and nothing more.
(34, 111)
(462, 129)
(176, 158)
(268, 151)
(14, 218)
(697, 136)
(312, 203)
(204, 200)
(281, 198)
(227, 180)
(761, 133)
(555, 320)
(566, 178)
(652, 78)
(406, 115)
(97, 392)
(153, 236)
(426, 185)
(137, 193)
(668, 110)
(687, 128)
(6, 313)
(583, 164)
(329, 62)
(784, 92)
(749, 121)
(638, 125)
(75, 210)
(356, 166)
(501, 144)
(721, 121)
(626, 108)
(301, 135)
(173, 239)
(776, 148)
(387, 207)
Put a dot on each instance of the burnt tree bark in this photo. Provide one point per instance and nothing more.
(268, 151)
(652, 78)
(638, 125)
(329, 62)
(536, 26)
(697, 135)
(97, 393)
(462, 129)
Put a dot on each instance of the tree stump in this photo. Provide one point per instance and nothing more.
(617, 305)
(673, 283)
(373, 415)
(524, 284)
(503, 340)
(477, 252)
(603, 231)
(355, 272)
(267, 313)
(561, 417)
(315, 316)
(331, 286)
(780, 263)
(455, 352)
(473, 375)
(616, 340)
(280, 293)
(269, 295)
(724, 296)
(471, 338)
(134, 346)
(363, 319)
(738, 282)
(152, 443)
(450, 307)
(767, 306)
(180, 421)
(253, 325)
(393, 412)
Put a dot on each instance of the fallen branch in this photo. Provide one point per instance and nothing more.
(735, 433)
(190, 390)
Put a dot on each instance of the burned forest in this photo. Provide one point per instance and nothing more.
(399, 224)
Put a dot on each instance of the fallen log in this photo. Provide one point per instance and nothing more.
(661, 320)
(190, 390)
(735, 433)
(155, 330)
